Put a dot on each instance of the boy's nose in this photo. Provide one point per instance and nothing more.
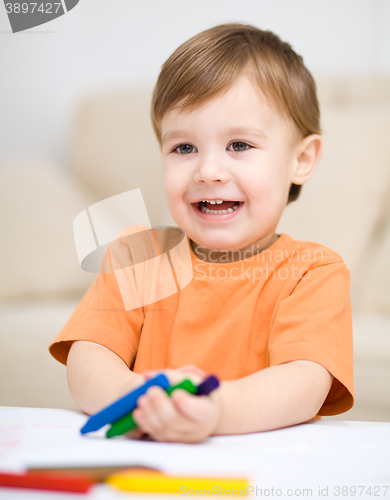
(211, 170)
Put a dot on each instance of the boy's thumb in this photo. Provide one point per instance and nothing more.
(193, 407)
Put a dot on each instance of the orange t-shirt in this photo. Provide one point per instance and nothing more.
(289, 302)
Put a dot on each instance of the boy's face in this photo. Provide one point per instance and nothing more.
(236, 147)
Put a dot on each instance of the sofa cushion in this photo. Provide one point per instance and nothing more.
(341, 204)
(115, 150)
(38, 255)
(374, 283)
(29, 375)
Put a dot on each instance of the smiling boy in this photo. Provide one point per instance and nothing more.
(256, 169)
(236, 116)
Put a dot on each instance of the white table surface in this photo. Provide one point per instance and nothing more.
(318, 456)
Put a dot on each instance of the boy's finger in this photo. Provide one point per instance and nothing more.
(195, 408)
(155, 412)
(162, 420)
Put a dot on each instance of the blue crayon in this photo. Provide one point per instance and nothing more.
(122, 406)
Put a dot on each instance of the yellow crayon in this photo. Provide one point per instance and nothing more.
(157, 482)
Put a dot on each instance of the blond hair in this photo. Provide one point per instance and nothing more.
(209, 63)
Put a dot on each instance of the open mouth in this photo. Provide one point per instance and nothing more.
(218, 207)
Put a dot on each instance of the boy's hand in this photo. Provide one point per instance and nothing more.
(181, 417)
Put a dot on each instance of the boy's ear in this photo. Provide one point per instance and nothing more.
(308, 155)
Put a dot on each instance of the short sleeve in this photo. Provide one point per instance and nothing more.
(315, 323)
(101, 317)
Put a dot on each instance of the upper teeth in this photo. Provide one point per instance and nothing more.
(213, 202)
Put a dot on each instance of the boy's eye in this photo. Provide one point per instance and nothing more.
(185, 149)
(239, 146)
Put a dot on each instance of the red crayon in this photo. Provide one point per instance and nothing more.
(59, 482)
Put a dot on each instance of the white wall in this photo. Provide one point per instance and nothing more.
(47, 70)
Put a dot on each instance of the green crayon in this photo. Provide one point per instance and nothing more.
(126, 423)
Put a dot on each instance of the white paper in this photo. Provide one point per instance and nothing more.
(312, 455)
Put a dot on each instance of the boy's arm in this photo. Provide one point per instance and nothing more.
(277, 396)
(97, 376)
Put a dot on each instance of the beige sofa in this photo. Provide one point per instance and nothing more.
(346, 206)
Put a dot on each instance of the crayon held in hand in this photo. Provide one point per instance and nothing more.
(122, 406)
(127, 423)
